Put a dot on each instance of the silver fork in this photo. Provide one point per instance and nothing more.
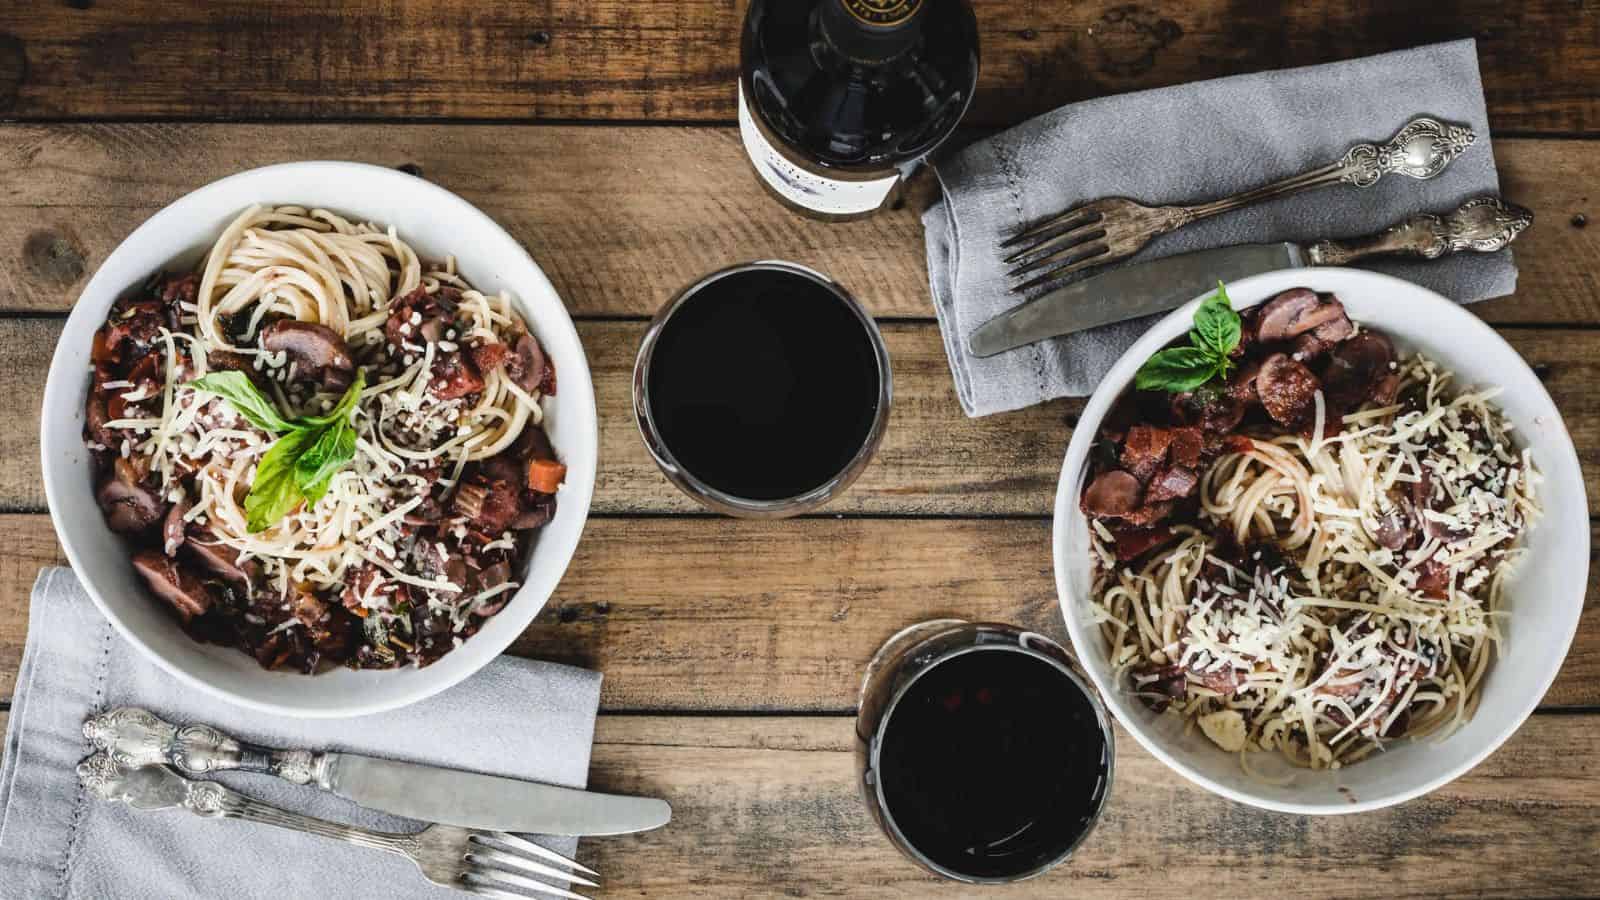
(490, 863)
(1113, 228)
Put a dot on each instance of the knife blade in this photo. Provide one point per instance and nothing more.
(1480, 225)
(1128, 293)
(137, 737)
(474, 800)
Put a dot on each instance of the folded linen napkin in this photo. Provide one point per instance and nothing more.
(1187, 144)
(525, 719)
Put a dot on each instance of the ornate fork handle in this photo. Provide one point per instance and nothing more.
(137, 737)
(1422, 149)
(156, 787)
(1484, 225)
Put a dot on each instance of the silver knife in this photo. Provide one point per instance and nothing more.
(1484, 225)
(135, 737)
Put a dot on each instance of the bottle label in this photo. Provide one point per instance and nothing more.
(881, 12)
(814, 192)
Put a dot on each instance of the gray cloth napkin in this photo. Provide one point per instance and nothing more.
(525, 719)
(1187, 144)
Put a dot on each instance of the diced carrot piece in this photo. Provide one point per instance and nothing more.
(545, 475)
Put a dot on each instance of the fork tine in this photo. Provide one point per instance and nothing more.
(1093, 257)
(1034, 229)
(1056, 243)
(490, 856)
(1070, 219)
(497, 883)
(1082, 240)
(488, 886)
(529, 847)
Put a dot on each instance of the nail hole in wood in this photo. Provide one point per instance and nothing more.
(539, 39)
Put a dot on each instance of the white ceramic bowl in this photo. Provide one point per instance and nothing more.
(435, 222)
(1545, 600)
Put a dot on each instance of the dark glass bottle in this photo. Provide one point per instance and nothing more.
(839, 100)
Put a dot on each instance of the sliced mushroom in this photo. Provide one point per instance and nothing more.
(1393, 530)
(229, 361)
(536, 512)
(219, 558)
(529, 367)
(129, 505)
(319, 353)
(1242, 383)
(172, 583)
(1113, 493)
(1135, 542)
(1358, 371)
(1287, 390)
(1323, 338)
(134, 330)
(1422, 501)
(493, 575)
(1295, 312)
(173, 527)
(95, 417)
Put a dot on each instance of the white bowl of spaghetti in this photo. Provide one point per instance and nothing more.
(1222, 673)
(319, 254)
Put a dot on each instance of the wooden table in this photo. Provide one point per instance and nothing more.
(598, 133)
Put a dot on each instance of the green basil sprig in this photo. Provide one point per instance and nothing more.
(1177, 369)
(302, 462)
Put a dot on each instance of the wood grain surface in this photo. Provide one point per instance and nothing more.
(712, 614)
(933, 460)
(677, 59)
(768, 805)
(598, 134)
(621, 218)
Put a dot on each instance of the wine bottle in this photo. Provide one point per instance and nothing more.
(841, 100)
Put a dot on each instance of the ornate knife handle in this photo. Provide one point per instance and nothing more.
(1483, 225)
(156, 787)
(134, 737)
(1420, 150)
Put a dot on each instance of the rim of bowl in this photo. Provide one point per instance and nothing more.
(65, 356)
(1170, 327)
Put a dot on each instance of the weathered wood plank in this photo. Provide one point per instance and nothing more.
(677, 59)
(933, 459)
(770, 804)
(620, 218)
(714, 614)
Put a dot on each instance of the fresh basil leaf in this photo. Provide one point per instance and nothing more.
(1177, 369)
(314, 470)
(274, 492)
(1216, 325)
(341, 411)
(235, 387)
